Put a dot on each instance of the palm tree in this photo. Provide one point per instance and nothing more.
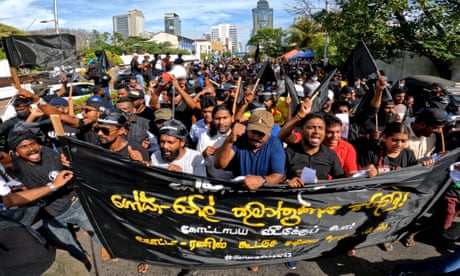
(301, 33)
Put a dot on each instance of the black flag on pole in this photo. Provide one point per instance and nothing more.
(359, 64)
(257, 54)
(292, 92)
(322, 93)
(266, 73)
(45, 51)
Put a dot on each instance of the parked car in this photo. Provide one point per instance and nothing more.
(80, 89)
(419, 86)
(123, 78)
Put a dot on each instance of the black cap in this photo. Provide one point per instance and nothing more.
(174, 128)
(432, 116)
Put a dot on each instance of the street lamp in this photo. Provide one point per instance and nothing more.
(55, 20)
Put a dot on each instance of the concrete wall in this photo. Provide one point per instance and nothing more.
(415, 65)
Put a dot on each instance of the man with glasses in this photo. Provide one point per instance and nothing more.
(111, 130)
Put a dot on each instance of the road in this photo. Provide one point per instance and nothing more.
(367, 261)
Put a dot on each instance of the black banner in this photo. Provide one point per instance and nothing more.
(45, 51)
(165, 218)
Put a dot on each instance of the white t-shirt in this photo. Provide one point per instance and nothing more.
(421, 146)
(215, 141)
(192, 162)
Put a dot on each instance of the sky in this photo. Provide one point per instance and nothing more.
(197, 16)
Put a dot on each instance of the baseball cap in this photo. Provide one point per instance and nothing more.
(174, 128)
(262, 121)
(112, 117)
(162, 114)
(433, 116)
(95, 101)
(58, 101)
(136, 94)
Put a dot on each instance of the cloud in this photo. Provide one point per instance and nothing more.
(197, 17)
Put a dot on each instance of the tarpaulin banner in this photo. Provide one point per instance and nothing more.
(166, 218)
(45, 51)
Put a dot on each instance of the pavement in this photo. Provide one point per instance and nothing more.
(367, 261)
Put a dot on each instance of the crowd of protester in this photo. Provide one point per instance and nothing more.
(194, 124)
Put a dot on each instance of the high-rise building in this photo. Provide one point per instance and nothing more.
(172, 24)
(262, 16)
(227, 35)
(130, 24)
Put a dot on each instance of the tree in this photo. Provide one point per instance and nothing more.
(393, 27)
(301, 33)
(269, 40)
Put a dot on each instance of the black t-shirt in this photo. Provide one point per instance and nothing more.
(40, 174)
(87, 134)
(385, 163)
(134, 67)
(325, 162)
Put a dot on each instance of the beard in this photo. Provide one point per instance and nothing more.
(171, 157)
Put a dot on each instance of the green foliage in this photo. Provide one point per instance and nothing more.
(269, 41)
(392, 27)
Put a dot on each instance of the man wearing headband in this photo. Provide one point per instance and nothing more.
(173, 154)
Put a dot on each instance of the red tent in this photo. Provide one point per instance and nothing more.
(289, 54)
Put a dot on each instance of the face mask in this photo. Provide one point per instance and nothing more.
(191, 82)
(401, 85)
(300, 82)
(314, 79)
(127, 114)
(23, 114)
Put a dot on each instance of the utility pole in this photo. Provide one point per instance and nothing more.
(326, 41)
(56, 20)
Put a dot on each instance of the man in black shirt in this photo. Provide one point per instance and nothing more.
(38, 166)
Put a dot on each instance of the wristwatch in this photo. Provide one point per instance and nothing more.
(265, 181)
(51, 186)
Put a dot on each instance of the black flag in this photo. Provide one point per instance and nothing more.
(322, 93)
(292, 92)
(359, 64)
(266, 73)
(45, 51)
(257, 54)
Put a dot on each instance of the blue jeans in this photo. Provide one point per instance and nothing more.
(57, 227)
(140, 79)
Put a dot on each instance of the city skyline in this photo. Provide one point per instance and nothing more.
(197, 18)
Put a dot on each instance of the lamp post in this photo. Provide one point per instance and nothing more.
(55, 20)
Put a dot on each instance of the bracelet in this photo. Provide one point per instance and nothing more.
(42, 101)
(265, 181)
(298, 117)
(51, 186)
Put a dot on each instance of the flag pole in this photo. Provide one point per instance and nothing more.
(235, 99)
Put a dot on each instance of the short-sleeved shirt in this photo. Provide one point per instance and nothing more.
(347, 156)
(192, 162)
(421, 146)
(268, 159)
(38, 175)
(385, 163)
(325, 162)
(217, 141)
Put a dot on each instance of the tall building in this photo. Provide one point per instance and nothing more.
(227, 35)
(130, 24)
(172, 24)
(262, 16)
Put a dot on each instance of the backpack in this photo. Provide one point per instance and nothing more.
(94, 70)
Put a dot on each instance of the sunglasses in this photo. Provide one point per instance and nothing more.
(106, 131)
